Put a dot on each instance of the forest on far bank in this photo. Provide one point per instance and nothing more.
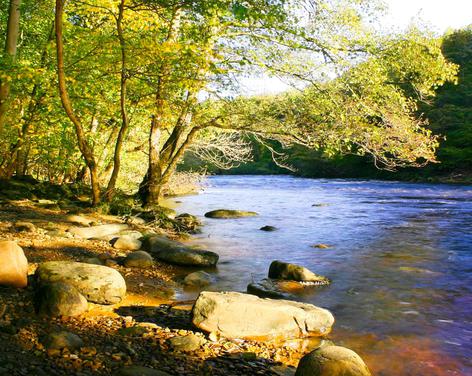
(113, 94)
(449, 115)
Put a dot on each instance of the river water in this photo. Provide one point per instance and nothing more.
(400, 260)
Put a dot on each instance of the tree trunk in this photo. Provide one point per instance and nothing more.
(13, 28)
(84, 147)
(150, 187)
(124, 114)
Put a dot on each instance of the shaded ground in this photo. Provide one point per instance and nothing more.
(134, 332)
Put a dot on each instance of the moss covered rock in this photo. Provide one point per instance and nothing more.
(226, 214)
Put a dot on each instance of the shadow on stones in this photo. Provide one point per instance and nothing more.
(164, 315)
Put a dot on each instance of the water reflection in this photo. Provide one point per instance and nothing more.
(400, 260)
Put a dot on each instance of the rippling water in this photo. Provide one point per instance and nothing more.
(400, 260)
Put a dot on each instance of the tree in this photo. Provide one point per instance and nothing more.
(11, 41)
(84, 146)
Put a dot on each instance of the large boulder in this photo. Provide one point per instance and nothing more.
(99, 284)
(177, 253)
(332, 361)
(237, 315)
(60, 299)
(13, 265)
(138, 259)
(226, 213)
(97, 231)
(285, 270)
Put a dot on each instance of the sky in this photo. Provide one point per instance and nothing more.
(439, 15)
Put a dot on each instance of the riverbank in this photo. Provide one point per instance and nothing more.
(135, 332)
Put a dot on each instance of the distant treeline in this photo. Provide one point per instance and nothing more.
(449, 115)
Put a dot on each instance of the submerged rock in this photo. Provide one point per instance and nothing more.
(13, 265)
(60, 299)
(284, 270)
(198, 279)
(226, 213)
(99, 284)
(268, 228)
(177, 253)
(237, 315)
(332, 361)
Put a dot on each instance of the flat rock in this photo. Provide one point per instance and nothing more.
(226, 213)
(127, 243)
(332, 361)
(237, 315)
(285, 270)
(60, 299)
(78, 220)
(178, 253)
(13, 265)
(97, 283)
(97, 231)
(138, 259)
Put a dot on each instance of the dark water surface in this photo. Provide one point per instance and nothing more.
(400, 262)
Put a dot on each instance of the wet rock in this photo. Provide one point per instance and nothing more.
(99, 284)
(275, 289)
(189, 342)
(140, 371)
(284, 270)
(21, 226)
(178, 253)
(138, 259)
(97, 231)
(321, 246)
(268, 228)
(332, 361)
(127, 243)
(236, 315)
(13, 265)
(226, 213)
(198, 279)
(61, 340)
(60, 299)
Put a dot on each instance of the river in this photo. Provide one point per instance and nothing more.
(400, 260)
